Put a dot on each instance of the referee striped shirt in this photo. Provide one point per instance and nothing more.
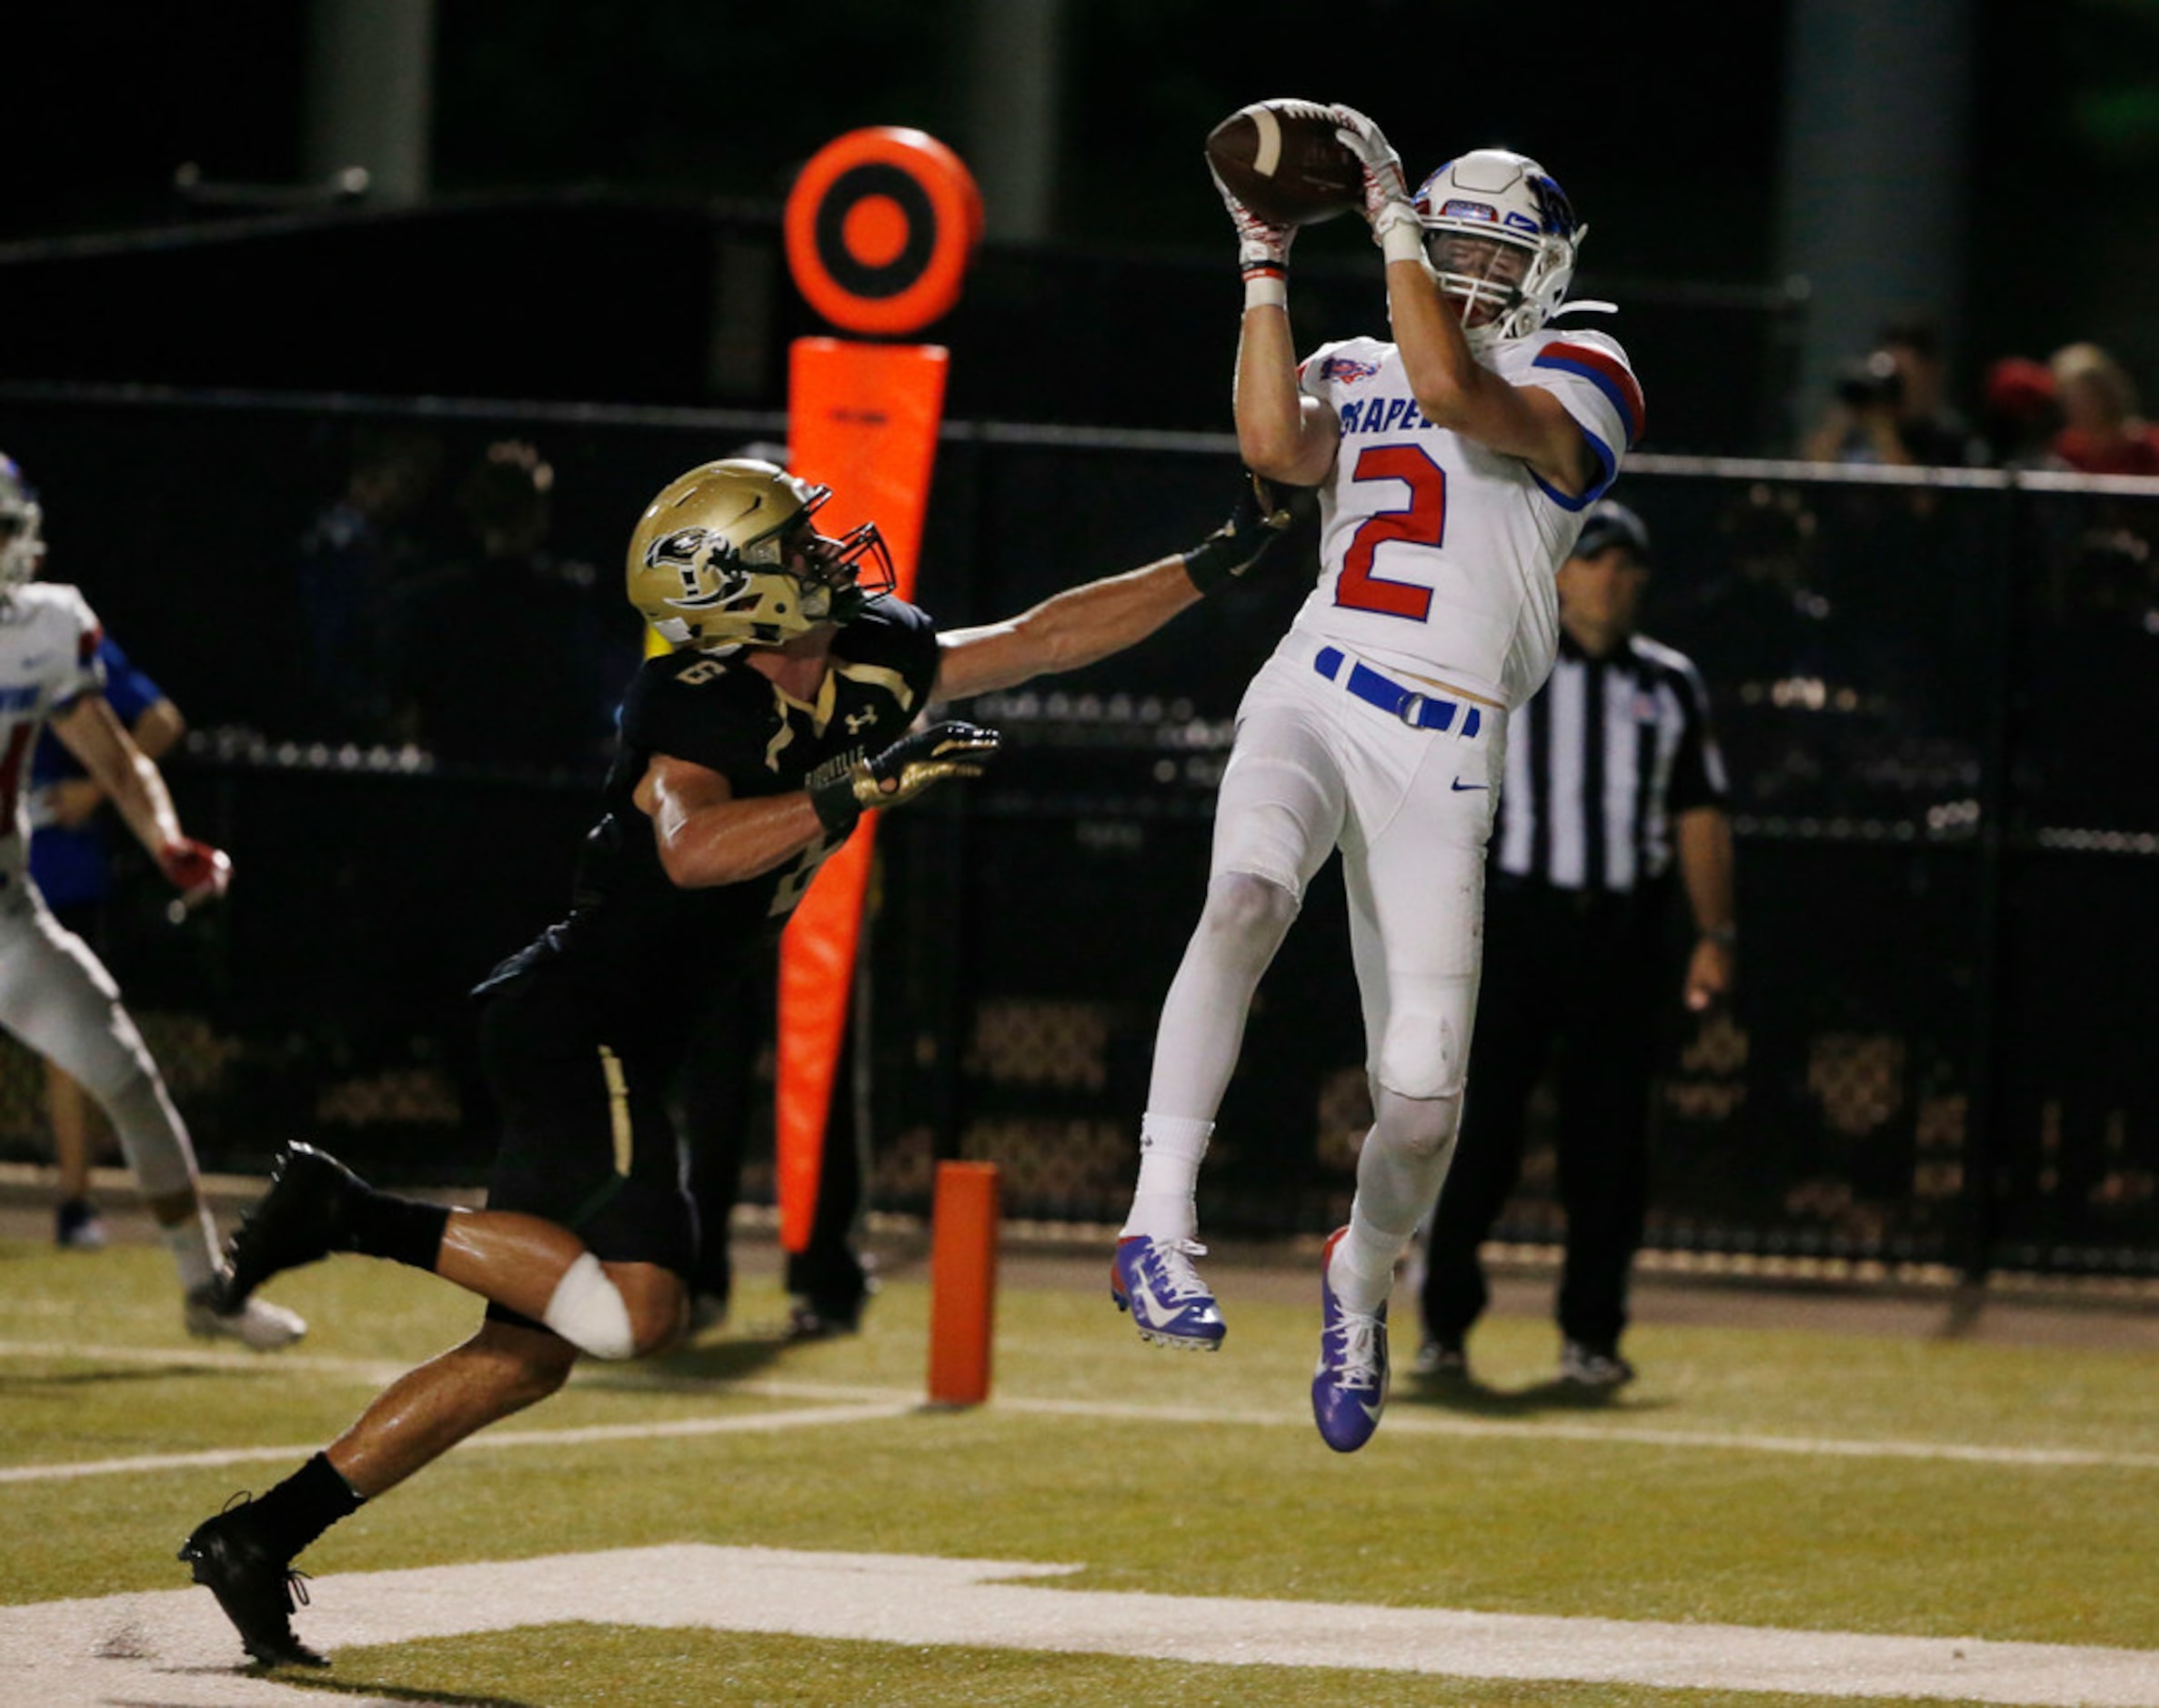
(1601, 762)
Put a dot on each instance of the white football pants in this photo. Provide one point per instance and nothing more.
(57, 998)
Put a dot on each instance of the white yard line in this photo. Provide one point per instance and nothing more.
(173, 1647)
(1402, 1419)
(738, 1423)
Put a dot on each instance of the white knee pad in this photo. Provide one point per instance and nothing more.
(1422, 1056)
(587, 1310)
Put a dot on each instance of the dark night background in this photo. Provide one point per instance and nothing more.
(1666, 134)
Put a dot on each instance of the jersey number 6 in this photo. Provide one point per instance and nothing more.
(1422, 523)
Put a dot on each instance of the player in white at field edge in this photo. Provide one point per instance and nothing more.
(54, 994)
(1455, 465)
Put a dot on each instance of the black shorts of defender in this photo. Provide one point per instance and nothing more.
(586, 1143)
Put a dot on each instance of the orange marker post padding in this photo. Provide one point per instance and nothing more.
(962, 1282)
(864, 420)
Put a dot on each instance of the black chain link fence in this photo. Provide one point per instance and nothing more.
(1935, 695)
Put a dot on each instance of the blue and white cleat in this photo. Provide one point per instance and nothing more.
(1170, 1305)
(1350, 1384)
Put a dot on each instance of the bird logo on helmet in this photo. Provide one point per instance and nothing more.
(727, 556)
(1502, 239)
(22, 547)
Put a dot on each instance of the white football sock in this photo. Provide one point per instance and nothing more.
(193, 1241)
(1170, 1151)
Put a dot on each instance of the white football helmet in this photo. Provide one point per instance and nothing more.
(22, 548)
(1524, 241)
(725, 557)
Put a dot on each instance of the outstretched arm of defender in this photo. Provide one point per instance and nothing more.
(1091, 621)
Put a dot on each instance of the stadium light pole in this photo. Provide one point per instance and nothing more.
(370, 90)
(1877, 110)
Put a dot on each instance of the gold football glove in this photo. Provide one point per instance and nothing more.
(903, 772)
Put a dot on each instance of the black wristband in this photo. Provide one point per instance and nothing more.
(834, 800)
(1210, 564)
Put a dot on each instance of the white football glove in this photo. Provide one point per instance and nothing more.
(1262, 250)
(1387, 208)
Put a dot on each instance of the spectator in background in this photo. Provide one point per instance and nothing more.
(2101, 432)
(354, 559)
(1613, 783)
(507, 595)
(1890, 407)
(72, 867)
(2022, 414)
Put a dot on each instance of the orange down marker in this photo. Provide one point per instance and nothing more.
(962, 1282)
(880, 227)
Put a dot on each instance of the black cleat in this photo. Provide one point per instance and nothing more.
(256, 1590)
(302, 1218)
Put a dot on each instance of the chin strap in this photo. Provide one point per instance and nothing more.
(1587, 306)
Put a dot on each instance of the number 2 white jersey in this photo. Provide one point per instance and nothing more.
(48, 658)
(1438, 555)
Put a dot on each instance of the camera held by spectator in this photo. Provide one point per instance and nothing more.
(1873, 381)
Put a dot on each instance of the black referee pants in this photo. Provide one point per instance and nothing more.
(1572, 981)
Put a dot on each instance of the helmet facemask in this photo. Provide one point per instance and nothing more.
(839, 577)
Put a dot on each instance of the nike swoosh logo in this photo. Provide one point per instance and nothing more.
(1460, 785)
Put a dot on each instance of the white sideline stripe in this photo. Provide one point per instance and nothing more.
(801, 1419)
(175, 1648)
(1402, 1419)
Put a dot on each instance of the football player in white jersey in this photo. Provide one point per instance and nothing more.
(54, 994)
(1454, 465)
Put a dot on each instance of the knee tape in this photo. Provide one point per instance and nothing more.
(587, 1310)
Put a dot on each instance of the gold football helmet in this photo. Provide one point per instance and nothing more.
(725, 557)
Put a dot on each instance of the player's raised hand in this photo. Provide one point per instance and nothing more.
(1262, 249)
(1255, 524)
(1387, 203)
(198, 871)
(903, 772)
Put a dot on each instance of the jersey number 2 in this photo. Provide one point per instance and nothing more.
(1423, 522)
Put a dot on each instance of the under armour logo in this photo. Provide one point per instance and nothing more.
(857, 721)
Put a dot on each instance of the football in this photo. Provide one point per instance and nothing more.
(1282, 160)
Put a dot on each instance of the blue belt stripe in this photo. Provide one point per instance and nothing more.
(1428, 712)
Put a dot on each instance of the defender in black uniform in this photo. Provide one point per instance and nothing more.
(745, 756)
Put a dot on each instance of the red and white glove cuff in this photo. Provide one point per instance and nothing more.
(194, 867)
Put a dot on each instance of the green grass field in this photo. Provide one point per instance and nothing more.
(1778, 1479)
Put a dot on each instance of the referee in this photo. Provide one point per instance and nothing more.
(1613, 787)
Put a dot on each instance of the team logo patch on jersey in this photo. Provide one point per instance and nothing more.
(1347, 368)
